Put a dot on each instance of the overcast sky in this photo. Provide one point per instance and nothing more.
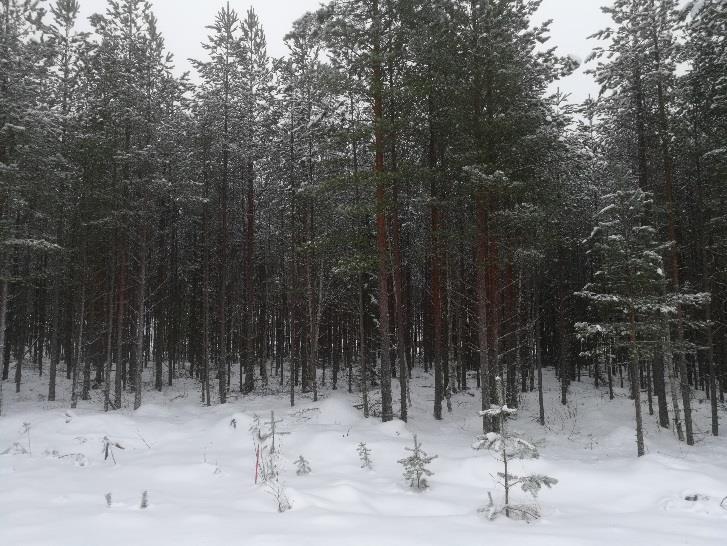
(183, 25)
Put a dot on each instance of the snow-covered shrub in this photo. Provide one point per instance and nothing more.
(303, 466)
(79, 459)
(277, 491)
(107, 496)
(266, 453)
(415, 466)
(364, 453)
(144, 500)
(267, 460)
(15, 449)
(108, 448)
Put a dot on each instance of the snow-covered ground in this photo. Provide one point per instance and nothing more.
(198, 467)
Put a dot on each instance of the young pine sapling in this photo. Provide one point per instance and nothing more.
(303, 466)
(415, 466)
(509, 447)
(364, 453)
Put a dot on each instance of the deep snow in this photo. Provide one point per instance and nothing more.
(199, 469)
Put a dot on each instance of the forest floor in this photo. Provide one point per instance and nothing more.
(198, 466)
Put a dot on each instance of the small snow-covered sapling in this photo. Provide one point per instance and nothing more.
(303, 466)
(415, 466)
(144, 500)
(508, 447)
(364, 453)
(26, 430)
(107, 496)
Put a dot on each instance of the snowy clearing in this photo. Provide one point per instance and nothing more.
(198, 466)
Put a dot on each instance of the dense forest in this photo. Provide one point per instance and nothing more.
(405, 189)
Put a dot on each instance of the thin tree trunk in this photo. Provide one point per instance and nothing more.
(109, 342)
(140, 318)
(437, 311)
(249, 353)
(539, 362)
(660, 386)
(363, 347)
(206, 317)
(3, 324)
(118, 375)
(712, 372)
(55, 343)
(400, 305)
(637, 389)
(482, 304)
(387, 413)
(79, 343)
(673, 381)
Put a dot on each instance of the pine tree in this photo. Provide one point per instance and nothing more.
(628, 288)
(256, 83)
(222, 91)
(637, 74)
(362, 23)
(68, 47)
(702, 109)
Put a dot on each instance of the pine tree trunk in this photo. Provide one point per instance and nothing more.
(109, 342)
(79, 342)
(206, 314)
(248, 329)
(539, 362)
(637, 388)
(660, 386)
(387, 413)
(363, 358)
(437, 310)
(158, 352)
(482, 305)
(55, 342)
(564, 355)
(19, 354)
(671, 370)
(709, 354)
(399, 303)
(140, 320)
(3, 324)
(118, 372)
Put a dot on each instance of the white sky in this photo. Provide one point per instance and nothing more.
(183, 24)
